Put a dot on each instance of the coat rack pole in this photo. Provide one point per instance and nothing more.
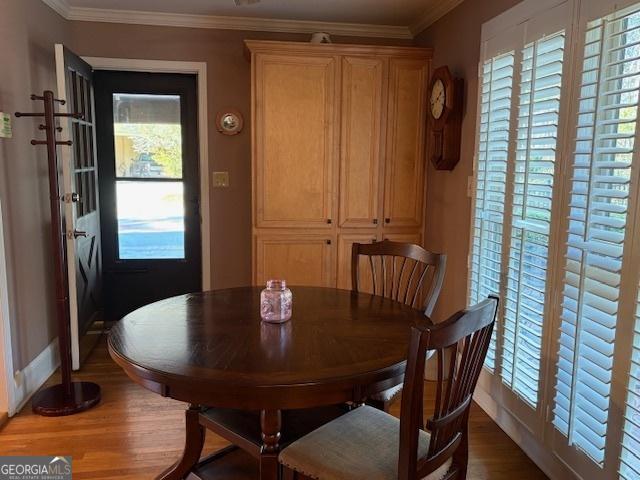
(67, 397)
(57, 242)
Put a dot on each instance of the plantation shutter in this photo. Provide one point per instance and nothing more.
(630, 454)
(535, 156)
(595, 240)
(491, 169)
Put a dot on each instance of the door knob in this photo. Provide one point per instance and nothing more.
(71, 234)
(71, 197)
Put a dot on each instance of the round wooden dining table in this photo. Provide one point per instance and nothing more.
(212, 349)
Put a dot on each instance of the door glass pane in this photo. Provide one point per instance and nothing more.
(150, 219)
(147, 136)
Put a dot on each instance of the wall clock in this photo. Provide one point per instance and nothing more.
(445, 109)
(229, 121)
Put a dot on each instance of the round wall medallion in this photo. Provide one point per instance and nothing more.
(229, 121)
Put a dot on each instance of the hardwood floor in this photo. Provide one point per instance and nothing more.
(136, 434)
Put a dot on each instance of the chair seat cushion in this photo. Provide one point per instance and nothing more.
(361, 445)
(387, 395)
(430, 373)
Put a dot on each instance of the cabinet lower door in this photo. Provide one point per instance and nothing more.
(345, 243)
(414, 237)
(298, 259)
(405, 159)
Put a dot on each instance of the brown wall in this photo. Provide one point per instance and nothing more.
(229, 84)
(28, 31)
(456, 42)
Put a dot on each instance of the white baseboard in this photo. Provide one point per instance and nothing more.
(539, 453)
(32, 377)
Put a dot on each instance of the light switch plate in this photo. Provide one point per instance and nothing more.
(220, 179)
(5, 125)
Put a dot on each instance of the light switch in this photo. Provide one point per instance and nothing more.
(220, 179)
(5, 125)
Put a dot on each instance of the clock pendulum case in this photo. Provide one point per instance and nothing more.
(445, 109)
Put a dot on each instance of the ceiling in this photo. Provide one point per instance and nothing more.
(393, 18)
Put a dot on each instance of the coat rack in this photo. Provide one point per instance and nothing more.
(67, 397)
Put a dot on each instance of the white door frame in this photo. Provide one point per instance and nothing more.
(7, 392)
(200, 70)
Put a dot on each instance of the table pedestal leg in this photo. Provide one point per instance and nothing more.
(193, 443)
(270, 423)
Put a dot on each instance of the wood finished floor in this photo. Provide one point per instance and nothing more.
(135, 434)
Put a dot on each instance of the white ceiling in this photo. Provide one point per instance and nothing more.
(398, 18)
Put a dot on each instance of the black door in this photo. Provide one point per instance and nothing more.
(149, 187)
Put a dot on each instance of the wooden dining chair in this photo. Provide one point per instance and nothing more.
(403, 272)
(368, 444)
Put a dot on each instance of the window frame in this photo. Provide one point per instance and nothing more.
(546, 445)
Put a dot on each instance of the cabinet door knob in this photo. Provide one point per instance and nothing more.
(328, 242)
(387, 220)
(375, 221)
(328, 220)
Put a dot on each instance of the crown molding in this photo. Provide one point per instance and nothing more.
(432, 15)
(136, 17)
(61, 7)
(234, 23)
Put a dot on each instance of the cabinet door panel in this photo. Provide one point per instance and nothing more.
(298, 259)
(405, 152)
(345, 242)
(294, 140)
(362, 91)
(415, 238)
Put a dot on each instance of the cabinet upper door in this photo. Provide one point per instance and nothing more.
(362, 101)
(294, 140)
(298, 259)
(405, 152)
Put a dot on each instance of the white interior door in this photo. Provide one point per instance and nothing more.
(82, 215)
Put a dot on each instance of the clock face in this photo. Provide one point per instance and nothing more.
(438, 98)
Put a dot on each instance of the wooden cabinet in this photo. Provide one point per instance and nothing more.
(338, 154)
(300, 259)
(405, 153)
(412, 237)
(362, 108)
(295, 144)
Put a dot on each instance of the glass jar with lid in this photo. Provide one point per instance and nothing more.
(276, 302)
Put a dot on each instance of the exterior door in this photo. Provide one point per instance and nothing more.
(149, 180)
(82, 209)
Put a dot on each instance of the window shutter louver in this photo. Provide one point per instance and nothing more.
(600, 177)
(491, 165)
(630, 454)
(535, 156)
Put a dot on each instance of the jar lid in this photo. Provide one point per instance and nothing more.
(276, 284)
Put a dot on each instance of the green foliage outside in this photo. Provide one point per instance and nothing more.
(162, 142)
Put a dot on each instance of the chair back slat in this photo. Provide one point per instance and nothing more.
(403, 272)
(461, 345)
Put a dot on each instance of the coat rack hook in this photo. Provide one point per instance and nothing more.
(38, 97)
(22, 114)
